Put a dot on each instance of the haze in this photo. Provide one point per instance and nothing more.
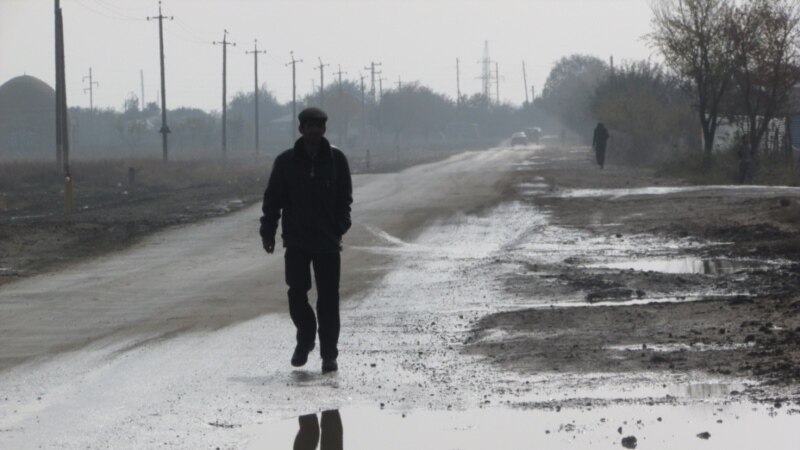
(414, 41)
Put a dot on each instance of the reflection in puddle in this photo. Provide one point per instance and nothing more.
(702, 391)
(327, 431)
(685, 265)
(730, 426)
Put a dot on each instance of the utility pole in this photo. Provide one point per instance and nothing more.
(339, 74)
(255, 53)
(525, 82)
(62, 124)
(164, 128)
(458, 83)
(380, 85)
(371, 69)
(57, 34)
(321, 68)
(497, 81)
(345, 124)
(141, 80)
(224, 45)
(399, 83)
(293, 63)
(90, 89)
(533, 93)
(363, 108)
(486, 72)
(59, 52)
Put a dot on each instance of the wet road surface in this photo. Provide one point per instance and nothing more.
(432, 249)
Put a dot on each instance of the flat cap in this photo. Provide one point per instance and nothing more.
(312, 114)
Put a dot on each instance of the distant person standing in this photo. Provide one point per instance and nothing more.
(745, 153)
(599, 143)
(311, 191)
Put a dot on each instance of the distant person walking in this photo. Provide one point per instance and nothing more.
(599, 143)
(745, 153)
(311, 191)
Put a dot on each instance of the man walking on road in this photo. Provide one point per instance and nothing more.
(745, 154)
(311, 191)
(599, 143)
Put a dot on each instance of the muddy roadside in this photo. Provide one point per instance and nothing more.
(112, 211)
(735, 311)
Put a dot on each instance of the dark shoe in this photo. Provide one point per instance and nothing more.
(329, 365)
(300, 356)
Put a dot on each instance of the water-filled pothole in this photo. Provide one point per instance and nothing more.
(697, 426)
(686, 265)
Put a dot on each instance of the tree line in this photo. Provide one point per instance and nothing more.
(410, 115)
(724, 61)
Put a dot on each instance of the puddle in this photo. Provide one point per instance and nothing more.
(663, 190)
(700, 426)
(687, 265)
(30, 216)
(683, 298)
(670, 348)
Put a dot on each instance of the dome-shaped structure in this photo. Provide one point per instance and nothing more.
(27, 117)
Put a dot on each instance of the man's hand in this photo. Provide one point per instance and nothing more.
(269, 245)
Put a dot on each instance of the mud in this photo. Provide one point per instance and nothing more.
(110, 214)
(657, 276)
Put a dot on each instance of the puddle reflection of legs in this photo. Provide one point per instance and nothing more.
(331, 437)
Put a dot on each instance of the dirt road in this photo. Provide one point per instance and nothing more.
(599, 303)
(215, 273)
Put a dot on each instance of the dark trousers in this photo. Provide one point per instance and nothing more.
(327, 267)
(745, 171)
(601, 154)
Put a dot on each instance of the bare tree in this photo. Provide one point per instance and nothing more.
(691, 36)
(568, 91)
(764, 36)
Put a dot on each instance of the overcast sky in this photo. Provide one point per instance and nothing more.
(414, 41)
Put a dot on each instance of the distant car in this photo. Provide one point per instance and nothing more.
(519, 138)
(533, 134)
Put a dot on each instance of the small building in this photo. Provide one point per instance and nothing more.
(27, 118)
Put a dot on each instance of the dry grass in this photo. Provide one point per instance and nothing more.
(38, 187)
(772, 170)
(18, 176)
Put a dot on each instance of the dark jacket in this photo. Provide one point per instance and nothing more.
(600, 137)
(313, 196)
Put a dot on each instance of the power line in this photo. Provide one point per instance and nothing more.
(111, 4)
(106, 15)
